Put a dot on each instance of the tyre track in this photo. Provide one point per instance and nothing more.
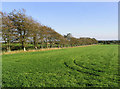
(87, 67)
(79, 70)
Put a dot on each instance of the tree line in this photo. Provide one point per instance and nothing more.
(20, 31)
(108, 41)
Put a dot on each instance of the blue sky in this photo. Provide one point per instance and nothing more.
(81, 19)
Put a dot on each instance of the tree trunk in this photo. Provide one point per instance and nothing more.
(61, 45)
(36, 47)
(41, 45)
(46, 44)
(24, 49)
(58, 45)
(50, 45)
(64, 45)
(35, 42)
(8, 47)
(23, 46)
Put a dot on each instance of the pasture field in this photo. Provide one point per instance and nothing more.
(92, 66)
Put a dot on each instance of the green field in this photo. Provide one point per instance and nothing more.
(93, 66)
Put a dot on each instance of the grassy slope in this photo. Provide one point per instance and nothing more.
(82, 66)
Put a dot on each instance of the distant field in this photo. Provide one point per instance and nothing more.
(93, 66)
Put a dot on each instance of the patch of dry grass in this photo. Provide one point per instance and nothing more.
(45, 49)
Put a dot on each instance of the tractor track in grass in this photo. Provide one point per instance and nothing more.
(79, 70)
(87, 67)
(88, 73)
(100, 71)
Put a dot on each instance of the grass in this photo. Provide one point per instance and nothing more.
(92, 66)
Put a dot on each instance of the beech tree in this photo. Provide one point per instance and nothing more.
(8, 30)
(35, 34)
(22, 24)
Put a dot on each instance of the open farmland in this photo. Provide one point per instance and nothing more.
(93, 66)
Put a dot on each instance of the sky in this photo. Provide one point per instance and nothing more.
(82, 19)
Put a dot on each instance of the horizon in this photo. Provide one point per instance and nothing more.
(80, 19)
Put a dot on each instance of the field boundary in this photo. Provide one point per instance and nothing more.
(44, 49)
